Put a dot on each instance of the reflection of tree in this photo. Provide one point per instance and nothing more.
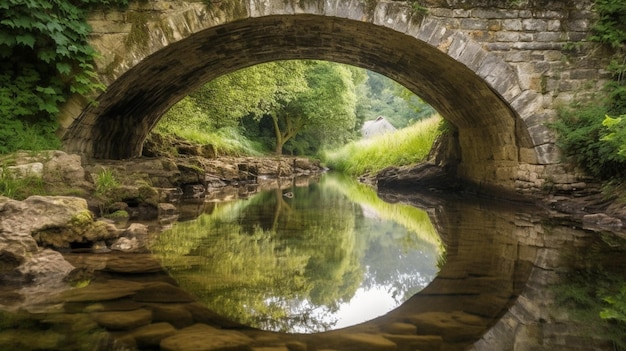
(280, 262)
(594, 290)
(288, 263)
(402, 268)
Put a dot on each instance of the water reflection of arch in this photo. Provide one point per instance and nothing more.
(491, 252)
(485, 270)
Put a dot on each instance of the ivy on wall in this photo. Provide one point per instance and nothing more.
(45, 57)
(587, 134)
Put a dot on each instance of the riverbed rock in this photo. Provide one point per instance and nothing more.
(201, 337)
(44, 266)
(150, 336)
(64, 174)
(123, 320)
(423, 176)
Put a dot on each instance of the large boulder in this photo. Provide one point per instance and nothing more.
(53, 221)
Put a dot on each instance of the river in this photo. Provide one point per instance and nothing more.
(329, 265)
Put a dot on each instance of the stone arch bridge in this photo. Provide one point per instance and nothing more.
(497, 70)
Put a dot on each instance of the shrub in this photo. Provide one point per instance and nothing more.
(581, 136)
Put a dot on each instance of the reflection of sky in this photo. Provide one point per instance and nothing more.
(395, 261)
(365, 305)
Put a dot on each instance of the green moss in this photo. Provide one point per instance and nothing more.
(139, 33)
(120, 214)
(81, 219)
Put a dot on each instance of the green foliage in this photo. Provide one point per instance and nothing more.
(610, 27)
(417, 8)
(581, 136)
(594, 292)
(587, 134)
(381, 96)
(105, 182)
(402, 147)
(616, 88)
(19, 186)
(617, 134)
(280, 263)
(325, 106)
(616, 309)
(45, 57)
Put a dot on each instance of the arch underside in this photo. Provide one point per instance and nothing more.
(118, 124)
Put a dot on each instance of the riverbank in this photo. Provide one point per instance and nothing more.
(592, 208)
(66, 203)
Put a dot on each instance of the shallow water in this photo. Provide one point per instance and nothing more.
(467, 274)
(303, 259)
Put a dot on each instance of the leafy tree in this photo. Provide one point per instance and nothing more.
(326, 107)
(383, 96)
(255, 90)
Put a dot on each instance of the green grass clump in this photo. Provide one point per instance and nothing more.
(403, 147)
(19, 186)
(106, 181)
(226, 141)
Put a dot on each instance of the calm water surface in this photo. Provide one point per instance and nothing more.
(304, 259)
(339, 268)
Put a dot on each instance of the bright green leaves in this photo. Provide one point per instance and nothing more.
(617, 134)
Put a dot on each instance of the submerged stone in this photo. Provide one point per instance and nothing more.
(201, 337)
(123, 320)
(152, 334)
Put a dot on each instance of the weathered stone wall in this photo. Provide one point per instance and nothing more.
(544, 43)
(495, 70)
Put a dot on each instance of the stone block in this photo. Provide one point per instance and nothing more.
(473, 55)
(527, 103)
(554, 25)
(463, 13)
(494, 13)
(518, 56)
(176, 315)
(579, 25)
(512, 24)
(548, 154)
(549, 36)
(474, 24)
(457, 46)
(507, 36)
(528, 155)
(535, 25)
(541, 134)
(440, 12)
(584, 74)
(401, 328)
(110, 27)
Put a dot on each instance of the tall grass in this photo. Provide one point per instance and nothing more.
(226, 141)
(403, 147)
(19, 186)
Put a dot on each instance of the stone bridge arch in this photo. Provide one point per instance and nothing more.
(489, 71)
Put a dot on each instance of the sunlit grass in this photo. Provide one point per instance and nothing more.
(412, 218)
(406, 146)
(226, 141)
